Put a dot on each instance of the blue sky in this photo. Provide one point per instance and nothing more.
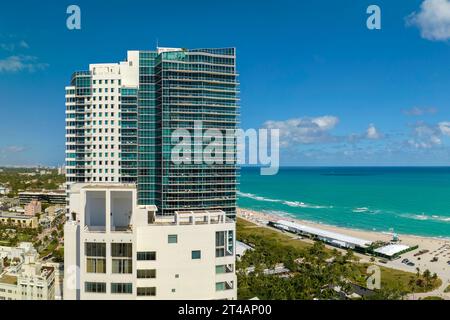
(340, 93)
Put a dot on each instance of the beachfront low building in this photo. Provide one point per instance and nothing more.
(332, 238)
(23, 277)
(241, 248)
(116, 249)
(393, 250)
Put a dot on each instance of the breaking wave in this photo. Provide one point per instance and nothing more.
(423, 217)
(297, 204)
(365, 210)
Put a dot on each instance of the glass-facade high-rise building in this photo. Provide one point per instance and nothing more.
(120, 119)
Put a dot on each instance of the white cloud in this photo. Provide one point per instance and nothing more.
(12, 149)
(416, 111)
(23, 44)
(19, 63)
(425, 136)
(317, 130)
(444, 127)
(372, 132)
(12, 46)
(304, 130)
(433, 20)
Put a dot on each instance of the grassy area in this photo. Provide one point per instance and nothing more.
(8, 238)
(247, 229)
(432, 298)
(50, 249)
(447, 289)
(391, 279)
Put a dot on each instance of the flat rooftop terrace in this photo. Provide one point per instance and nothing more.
(8, 279)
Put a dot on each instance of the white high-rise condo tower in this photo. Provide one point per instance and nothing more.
(141, 226)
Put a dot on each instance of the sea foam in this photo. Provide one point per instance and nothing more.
(297, 204)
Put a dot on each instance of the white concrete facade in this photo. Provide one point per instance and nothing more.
(25, 278)
(102, 119)
(125, 251)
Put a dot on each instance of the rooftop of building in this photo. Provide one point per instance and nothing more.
(325, 233)
(108, 186)
(8, 279)
(392, 249)
(14, 215)
(196, 217)
(34, 192)
(23, 262)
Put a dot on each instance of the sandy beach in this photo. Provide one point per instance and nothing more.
(439, 248)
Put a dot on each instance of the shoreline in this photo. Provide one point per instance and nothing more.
(436, 247)
(342, 229)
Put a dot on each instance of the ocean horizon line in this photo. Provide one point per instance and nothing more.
(350, 166)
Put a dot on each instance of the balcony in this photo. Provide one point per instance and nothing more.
(108, 211)
(199, 217)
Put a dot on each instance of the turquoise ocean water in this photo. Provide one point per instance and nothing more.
(405, 200)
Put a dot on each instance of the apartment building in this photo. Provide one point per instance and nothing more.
(142, 226)
(120, 118)
(33, 208)
(24, 277)
(44, 196)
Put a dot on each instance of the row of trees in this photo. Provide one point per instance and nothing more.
(314, 271)
(16, 181)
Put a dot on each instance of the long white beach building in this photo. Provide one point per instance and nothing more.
(334, 238)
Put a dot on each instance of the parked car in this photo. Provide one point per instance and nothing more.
(405, 261)
(411, 264)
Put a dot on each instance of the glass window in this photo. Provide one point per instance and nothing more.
(196, 254)
(122, 266)
(146, 291)
(95, 287)
(220, 269)
(146, 273)
(225, 268)
(93, 249)
(122, 250)
(220, 286)
(172, 238)
(224, 243)
(96, 265)
(126, 288)
(146, 255)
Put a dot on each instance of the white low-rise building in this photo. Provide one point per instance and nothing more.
(333, 238)
(116, 249)
(4, 190)
(24, 277)
(392, 250)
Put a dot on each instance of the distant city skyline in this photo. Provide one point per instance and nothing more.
(341, 94)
